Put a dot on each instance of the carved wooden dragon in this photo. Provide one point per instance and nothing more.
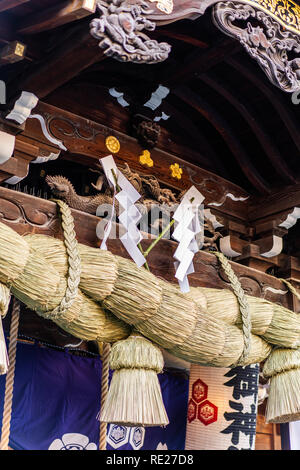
(147, 186)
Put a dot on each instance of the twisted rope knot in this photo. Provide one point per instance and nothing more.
(243, 304)
(74, 261)
(291, 288)
(10, 376)
(104, 392)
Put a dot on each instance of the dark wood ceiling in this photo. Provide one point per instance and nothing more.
(225, 115)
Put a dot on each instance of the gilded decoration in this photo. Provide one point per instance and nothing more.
(286, 11)
(112, 144)
(145, 159)
(275, 49)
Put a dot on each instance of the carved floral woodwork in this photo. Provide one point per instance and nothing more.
(119, 30)
(268, 43)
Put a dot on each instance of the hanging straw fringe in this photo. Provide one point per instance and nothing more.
(104, 392)
(283, 369)
(134, 397)
(9, 384)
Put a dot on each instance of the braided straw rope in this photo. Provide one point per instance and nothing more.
(291, 288)
(243, 304)
(74, 262)
(104, 392)
(9, 384)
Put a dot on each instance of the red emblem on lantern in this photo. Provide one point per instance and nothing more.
(192, 411)
(207, 413)
(199, 407)
(199, 391)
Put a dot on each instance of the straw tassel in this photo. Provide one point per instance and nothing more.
(283, 369)
(134, 397)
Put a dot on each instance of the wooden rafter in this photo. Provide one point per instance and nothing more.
(173, 34)
(75, 54)
(200, 62)
(228, 135)
(10, 4)
(195, 133)
(273, 96)
(244, 107)
(57, 15)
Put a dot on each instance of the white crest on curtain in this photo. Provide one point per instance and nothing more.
(73, 441)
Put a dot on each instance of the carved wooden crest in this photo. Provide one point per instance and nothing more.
(268, 42)
(119, 29)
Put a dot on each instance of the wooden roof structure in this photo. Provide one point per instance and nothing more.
(222, 106)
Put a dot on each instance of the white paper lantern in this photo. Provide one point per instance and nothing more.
(222, 408)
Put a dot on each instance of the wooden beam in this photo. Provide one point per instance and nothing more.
(275, 203)
(58, 15)
(9, 4)
(159, 33)
(85, 141)
(73, 55)
(13, 167)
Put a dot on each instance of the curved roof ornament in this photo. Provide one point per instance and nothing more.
(119, 29)
(268, 42)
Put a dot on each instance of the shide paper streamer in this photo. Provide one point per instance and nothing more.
(188, 226)
(130, 216)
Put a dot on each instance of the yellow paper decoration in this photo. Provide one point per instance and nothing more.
(176, 171)
(145, 158)
(112, 144)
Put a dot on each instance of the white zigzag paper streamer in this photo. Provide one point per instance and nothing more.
(230, 196)
(188, 226)
(130, 216)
